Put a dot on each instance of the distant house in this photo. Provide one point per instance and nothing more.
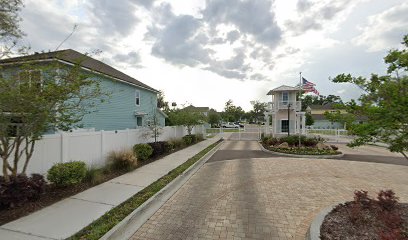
(202, 110)
(131, 103)
(285, 111)
(320, 121)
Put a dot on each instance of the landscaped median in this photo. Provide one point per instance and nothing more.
(101, 226)
(310, 147)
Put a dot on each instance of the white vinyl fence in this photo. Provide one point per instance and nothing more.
(92, 147)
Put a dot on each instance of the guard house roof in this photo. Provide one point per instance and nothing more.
(283, 88)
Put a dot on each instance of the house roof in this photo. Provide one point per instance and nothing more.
(326, 106)
(74, 57)
(283, 88)
(162, 113)
(198, 109)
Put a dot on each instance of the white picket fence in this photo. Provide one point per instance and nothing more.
(92, 147)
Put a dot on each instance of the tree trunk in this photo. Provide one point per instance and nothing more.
(29, 154)
(405, 155)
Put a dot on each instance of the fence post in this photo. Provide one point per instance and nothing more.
(127, 137)
(64, 147)
(102, 144)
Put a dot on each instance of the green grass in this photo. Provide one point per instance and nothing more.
(102, 225)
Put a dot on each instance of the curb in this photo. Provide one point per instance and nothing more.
(130, 224)
(313, 233)
(302, 156)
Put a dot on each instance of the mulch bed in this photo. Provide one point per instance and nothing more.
(346, 223)
(54, 194)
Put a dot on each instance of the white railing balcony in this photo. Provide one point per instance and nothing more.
(282, 105)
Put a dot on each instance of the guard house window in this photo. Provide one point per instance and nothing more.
(137, 98)
(30, 79)
(139, 121)
(285, 97)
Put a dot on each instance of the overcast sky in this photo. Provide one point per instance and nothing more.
(205, 52)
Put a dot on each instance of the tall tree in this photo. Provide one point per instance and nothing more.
(186, 117)
(10, 31)
(38, 99)
(232, 113)
(384, 103)
(258, 111)
(214, 117)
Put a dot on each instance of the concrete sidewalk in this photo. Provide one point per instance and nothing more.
(67, 217)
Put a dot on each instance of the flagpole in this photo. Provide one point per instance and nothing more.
(300, 102)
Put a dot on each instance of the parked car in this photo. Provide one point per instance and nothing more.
(229, 125)
(239, 124)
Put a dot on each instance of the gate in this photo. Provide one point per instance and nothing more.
(248, 133)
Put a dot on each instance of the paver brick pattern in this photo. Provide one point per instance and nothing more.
(268, 198)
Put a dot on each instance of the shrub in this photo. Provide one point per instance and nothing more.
(122, 160)
(292, 140)
(159, 148)
(20, 189)
(199, 137)
(188, 140)
(271, 141)
(94, 175)
(387, 199)
(142, 151)
(362, 198)
(169, 146)
(66, 174)
(177, 143)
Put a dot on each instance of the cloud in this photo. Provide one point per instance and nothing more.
(250, 17)
(113, 17)
(191, 40)
(129, 58)
(384, 30)
(314, 15)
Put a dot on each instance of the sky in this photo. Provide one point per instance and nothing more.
(205, 52)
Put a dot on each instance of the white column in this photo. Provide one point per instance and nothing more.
(303, 124)
(102, 144)
(298, 122)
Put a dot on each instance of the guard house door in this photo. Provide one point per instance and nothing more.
(285, 126)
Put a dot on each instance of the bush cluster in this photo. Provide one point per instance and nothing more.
(142, 151)
(292, 140)
(21, 189)
(383, 208)
(304, 151)
(122, 160)
(66, 174)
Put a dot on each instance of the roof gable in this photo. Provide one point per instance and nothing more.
(283, 88)
(74, 57)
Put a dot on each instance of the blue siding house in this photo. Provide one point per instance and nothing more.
(131, 103)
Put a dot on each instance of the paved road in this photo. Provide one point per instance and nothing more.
(264, 198)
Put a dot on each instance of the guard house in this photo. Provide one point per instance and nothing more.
(285, 112)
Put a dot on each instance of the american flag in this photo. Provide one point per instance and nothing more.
(309, 87)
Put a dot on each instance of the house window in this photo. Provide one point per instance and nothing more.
(137, 98)
(30, 79)
(139, 121)
(284, 125)
(285, 97)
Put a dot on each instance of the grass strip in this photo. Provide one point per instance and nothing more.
(102, 225)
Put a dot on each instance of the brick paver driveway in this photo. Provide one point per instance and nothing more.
(265, 198)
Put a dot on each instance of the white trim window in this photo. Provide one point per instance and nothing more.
(30, 79)
(285, 98)
(137, 98)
